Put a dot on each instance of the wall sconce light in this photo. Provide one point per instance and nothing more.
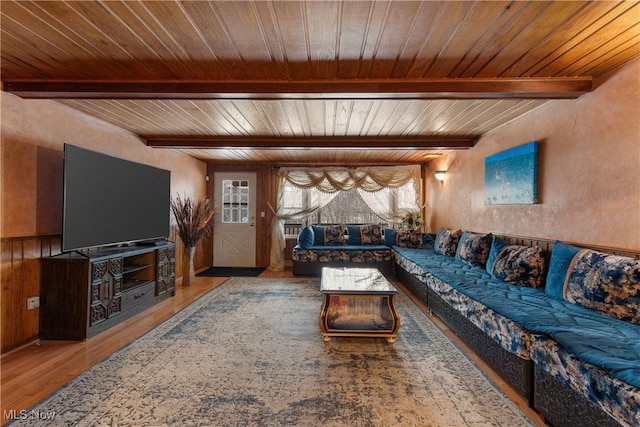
(440, 175)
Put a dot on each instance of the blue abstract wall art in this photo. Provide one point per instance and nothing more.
(511, 176)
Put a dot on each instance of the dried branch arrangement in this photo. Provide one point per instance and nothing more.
(194, 218)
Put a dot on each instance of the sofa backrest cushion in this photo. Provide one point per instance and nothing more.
(390, 237)
(516, 264)
(561, 256)
(473, 249)
(370, 234)
(596, 280)
(326, 235)
(446, 241)
(427, 241)
(306, 237)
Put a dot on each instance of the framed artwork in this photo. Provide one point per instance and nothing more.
(511, 176)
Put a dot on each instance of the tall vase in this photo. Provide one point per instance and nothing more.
(188, 270)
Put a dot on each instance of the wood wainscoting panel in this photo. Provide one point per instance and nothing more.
(20, 276)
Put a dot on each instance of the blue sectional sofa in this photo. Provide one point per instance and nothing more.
(342, 245)
(561, 324)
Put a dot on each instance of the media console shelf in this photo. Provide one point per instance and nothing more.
(82, 294)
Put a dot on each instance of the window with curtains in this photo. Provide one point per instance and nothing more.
(305, 194)
(348, 207)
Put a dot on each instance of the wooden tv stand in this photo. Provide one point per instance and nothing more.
(84, 293)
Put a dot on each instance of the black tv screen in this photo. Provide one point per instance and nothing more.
(110, 201)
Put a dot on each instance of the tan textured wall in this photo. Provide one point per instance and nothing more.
(32, 138)
(589, 171)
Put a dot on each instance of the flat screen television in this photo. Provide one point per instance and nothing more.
(109, 201)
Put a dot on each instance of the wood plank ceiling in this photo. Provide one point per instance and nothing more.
(320, 82)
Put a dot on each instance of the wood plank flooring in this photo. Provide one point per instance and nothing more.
(31, 373)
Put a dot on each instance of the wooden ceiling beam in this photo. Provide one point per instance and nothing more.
(459, 88)
(317, 143)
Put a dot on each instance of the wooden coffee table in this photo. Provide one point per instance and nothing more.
(358, 302)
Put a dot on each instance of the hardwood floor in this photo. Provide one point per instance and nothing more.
(31, 373)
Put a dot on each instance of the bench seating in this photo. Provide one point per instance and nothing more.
(575, 365)
(342, 245)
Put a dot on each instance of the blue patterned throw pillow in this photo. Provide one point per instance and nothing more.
(516, 264)
(334, 234)
(606, 283)
(473, 249)
(446, 241)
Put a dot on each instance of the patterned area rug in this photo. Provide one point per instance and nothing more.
(250, 353)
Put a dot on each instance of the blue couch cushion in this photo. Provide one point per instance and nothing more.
(561, 257)
(497, 245)
(446, 241)
(355, 235)
(306, 237)
(318, 235)
(390, 237)
(370, 234)
(427, 241)
(473, 249)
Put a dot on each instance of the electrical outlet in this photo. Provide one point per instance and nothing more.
(33, 302)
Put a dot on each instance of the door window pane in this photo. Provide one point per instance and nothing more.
(235, 201)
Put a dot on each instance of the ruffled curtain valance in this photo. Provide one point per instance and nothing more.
(330, 180)
(369, 181)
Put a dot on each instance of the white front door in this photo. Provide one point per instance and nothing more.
(234, 231)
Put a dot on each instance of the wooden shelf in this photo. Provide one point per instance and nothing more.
(133, 268)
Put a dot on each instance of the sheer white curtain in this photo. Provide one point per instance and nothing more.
(389, 191)
(392, 204)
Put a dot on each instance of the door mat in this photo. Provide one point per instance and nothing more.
(231, 271)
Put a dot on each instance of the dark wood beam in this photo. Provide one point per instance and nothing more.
(303, 143)
(463, 88)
